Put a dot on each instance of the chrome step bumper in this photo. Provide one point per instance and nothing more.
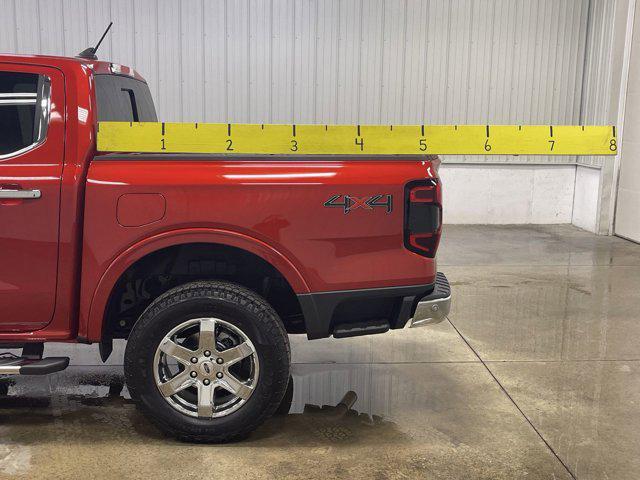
(434, 307)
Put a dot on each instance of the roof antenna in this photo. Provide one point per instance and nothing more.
(90, 53)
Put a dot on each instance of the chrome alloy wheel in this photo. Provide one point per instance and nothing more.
(206, 367)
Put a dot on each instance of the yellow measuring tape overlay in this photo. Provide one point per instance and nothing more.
(357, 139)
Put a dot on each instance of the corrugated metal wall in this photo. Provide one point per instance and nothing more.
(601, 84)
(331, 61)
(597, 106)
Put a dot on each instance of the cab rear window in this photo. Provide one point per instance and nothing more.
(123, 99)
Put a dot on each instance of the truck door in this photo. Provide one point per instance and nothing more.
(32, 112)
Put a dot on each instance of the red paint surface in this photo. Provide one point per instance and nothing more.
(269, 207)
(29, 228)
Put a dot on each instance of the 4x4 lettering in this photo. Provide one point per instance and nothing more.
(333, 202)
(381, 201)
(348, 203)
(359, 202)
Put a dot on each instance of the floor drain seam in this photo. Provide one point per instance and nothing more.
(511, 399)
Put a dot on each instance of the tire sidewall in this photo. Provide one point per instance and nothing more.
(161, 317)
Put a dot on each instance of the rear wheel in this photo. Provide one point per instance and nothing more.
(208, 361)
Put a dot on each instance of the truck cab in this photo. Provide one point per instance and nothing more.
(203, 262)
(48, 115)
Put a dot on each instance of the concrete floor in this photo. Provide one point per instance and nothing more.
(536, 375)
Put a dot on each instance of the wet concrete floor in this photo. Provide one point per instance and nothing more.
(536, 375)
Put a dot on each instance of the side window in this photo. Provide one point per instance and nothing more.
(24, 111)
(123, 99)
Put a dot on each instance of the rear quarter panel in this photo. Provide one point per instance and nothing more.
(279, 203)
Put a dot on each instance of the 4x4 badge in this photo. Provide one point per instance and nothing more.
(349, 202)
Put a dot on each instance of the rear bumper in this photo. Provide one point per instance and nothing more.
(434, 307)
(368, 311)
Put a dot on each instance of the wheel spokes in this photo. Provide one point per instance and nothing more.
(235, 386)
(203, 367)
(176, 384)
(172, 349)
(235, 354)
(205, 400)
(207, 340)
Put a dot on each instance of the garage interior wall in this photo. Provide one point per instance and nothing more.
(373, 61)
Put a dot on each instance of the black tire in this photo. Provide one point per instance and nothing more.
(229, 302)
(287, 400)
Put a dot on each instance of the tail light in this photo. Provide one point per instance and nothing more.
(423, 216)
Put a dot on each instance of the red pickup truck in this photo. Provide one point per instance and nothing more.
(204, 263)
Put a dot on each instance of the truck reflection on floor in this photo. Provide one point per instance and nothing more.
(92, 400)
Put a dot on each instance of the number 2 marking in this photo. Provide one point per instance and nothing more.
(229, 145)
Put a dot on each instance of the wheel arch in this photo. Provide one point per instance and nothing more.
(93, 325)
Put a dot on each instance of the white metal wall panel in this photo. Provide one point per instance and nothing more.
(460, 29)
(326, 104)
(346, 61)
(169, 75)
(261, 31)
(192, 60)
(28, 26)
(416, 46)
(282, 62)
(599, 103)
(51, 41)
(370, 62)
(215, 60)
(349, 61)
(393, 60)
(8, 28)
(238, 59)
(75, 27)
(596, 84)
(145, 42)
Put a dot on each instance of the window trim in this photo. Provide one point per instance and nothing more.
(42, 101)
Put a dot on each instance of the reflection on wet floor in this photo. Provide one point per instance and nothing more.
(411, 421)
(544, 384)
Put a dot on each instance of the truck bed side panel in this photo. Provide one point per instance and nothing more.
(279, 203)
